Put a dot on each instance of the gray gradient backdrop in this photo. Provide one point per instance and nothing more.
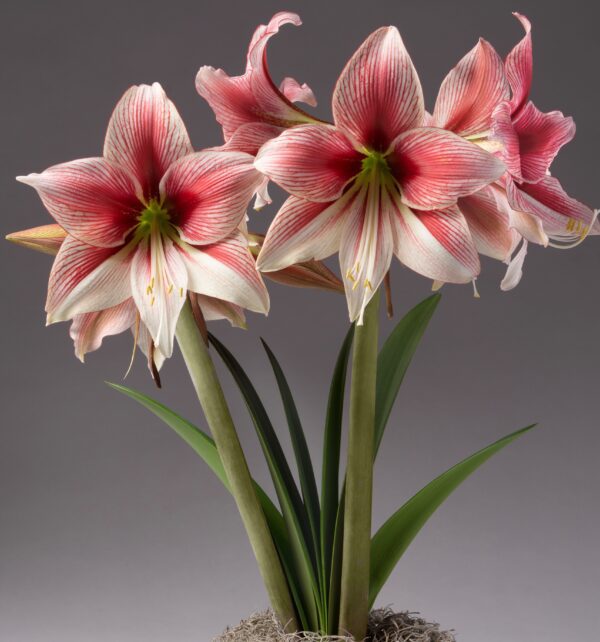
(112, 530)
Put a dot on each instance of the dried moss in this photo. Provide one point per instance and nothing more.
(384, 626)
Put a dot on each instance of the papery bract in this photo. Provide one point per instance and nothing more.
(377, 183)
(146, 223)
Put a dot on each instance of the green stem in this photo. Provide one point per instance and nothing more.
(354, 599)
(210, 394)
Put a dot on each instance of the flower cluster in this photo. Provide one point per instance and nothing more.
(151, 222)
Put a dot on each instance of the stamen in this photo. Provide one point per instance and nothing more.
(170, 290)
(153, 300)
(368, 285)
(181, 292)
(475, 291)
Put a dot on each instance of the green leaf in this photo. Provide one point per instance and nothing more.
(395, 357)
(292, 507)
(393, 538)
(331, 460)
(306, 473)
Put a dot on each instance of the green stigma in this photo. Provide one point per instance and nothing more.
(374, 164)
(154, 217)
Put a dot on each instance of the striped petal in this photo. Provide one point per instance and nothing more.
(314, 162)
(214, 309)
(89, 329)
(471, 91)
(249, 138)
(296, 92)
(488, 216)
(91, 198)
(159, 285)
(519, 67)
(145, 135)
(503, 131)
(85, 278)
(434, 167)
(303, 230)
(253, 97)
(208, 193)
(44, 238)
(436, 243)
(226, 270)
(541, 135)
(378, 94)
(561, 215)
(366, 247)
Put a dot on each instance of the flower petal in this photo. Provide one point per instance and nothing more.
(44, 238)
(226, 270)
(253, 96)
(314, 162)
(91, 198)
(503, 131)
(519, 66)
(541, 135)
(145, 135)
(434, 167)
(249, 138)
(85, 278)
(302, 231)
(215, 309)
(159, 285)
(488, 217)
(436, 243)
(366, 247)
(471, 91)
(88, 330)
(296, 92)
(514, 272)
(378, 94)
(208, 193)
(562, 216)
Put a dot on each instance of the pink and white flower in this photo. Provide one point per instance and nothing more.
(146, 223)
(487, 102)
(377, 183)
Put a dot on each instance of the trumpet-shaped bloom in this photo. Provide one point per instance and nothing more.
(251, 108)
(377, 183)
(487, 101)
(146, 223)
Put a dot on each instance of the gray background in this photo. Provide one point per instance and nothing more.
(112, 530)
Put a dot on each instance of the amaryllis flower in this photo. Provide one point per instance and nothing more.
(147, 223)
(487, 101)
(376, 183)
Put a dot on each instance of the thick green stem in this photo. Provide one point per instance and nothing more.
(211, 397)
(354, 600)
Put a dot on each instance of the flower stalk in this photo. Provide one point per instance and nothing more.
(210, 395)
(354, 601)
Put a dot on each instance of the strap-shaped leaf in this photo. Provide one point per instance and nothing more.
(292, 507)
(306, 472)
(331, 461)
(395, 357)
(393, 538)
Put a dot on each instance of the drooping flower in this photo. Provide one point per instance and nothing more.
(377, 183)
(145, 224)
(487, 101)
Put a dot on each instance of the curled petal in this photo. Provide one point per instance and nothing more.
(488, 216)
(303, 230)
(314, 162)
(434, 167)
(215, 309)
(226, 270)
(145, 135)
(253, 97)
(519, 67)
(504, 132)
(159, 285)
(366, 247)
(471, 91)
(45, 238)
(249, 138)
(514, 272)
(85, 278)
(562, 217)
(296, 92)
(541, 135)
(436, 243)
(209, 192)
(378, 94)
(91, 198)
(88, 330)
(145, 343)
